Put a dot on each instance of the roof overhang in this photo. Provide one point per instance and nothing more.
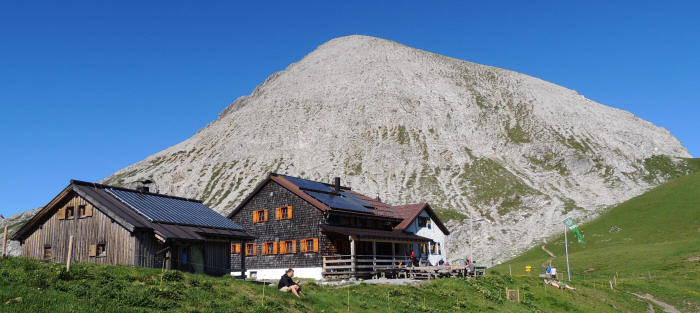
(363, 234)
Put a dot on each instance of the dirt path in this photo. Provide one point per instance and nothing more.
(549, 252)
(667, 307)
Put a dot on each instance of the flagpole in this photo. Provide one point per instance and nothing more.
(566, 245)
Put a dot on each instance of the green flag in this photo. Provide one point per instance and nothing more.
(570, 223)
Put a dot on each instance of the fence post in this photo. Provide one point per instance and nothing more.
(70, 252)
(353, 264)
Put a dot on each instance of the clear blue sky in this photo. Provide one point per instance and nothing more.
(90, 87)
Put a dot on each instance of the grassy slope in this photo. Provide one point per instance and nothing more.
(33, 286)
(652, 243)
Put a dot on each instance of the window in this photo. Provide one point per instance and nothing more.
(98, 250)
(422, 221)
(251, 249)
(47, 253)
(284, 213)
(235, 248)
(288, 246)
(84, 211)
(309, 245)
(430, 223)
(70, 212)
(259, 216)
(61, 214)
(435, 248)
(269, 248)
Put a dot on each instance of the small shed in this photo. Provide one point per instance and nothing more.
(113, 225)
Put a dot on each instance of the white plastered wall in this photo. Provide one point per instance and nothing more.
(276, 273)
(433, 232)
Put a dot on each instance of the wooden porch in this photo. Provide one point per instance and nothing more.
(375, 266)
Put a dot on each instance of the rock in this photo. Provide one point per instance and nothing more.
(413, 126)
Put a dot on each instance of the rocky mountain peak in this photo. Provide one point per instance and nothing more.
(414, 126)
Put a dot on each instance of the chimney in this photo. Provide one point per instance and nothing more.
(143, 186)
(336, 185)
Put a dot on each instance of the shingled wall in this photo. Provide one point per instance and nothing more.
(303, 225)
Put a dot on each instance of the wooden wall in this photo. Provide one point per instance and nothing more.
(216, 258)
(146, 247)
(304, 224)
(86, 231)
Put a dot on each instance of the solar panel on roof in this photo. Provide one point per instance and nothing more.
(355, 199)
(176, 211)
(308, 184)
(348, 202)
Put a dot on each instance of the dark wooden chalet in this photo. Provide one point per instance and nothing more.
(113, 225)
(324, 230)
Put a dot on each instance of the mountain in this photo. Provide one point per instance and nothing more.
(413, 126)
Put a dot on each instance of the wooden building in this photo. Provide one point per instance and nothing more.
(326, 230)
(112, 225)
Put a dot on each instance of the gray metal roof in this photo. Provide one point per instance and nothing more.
(162, 209)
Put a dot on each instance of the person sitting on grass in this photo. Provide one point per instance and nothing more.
(286, 283)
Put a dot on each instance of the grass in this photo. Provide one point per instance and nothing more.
(450, 214)
(494, 185)
(661, 167)
(648, 244)
(517, 134)
(35, 286)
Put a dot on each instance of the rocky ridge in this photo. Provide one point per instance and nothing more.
(413, 126)
(13, 224)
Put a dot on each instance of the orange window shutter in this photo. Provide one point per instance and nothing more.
(88, 210)
(303, 245)
(278, 214)
(265, 216)
(294, 246)
(315, 244)
(274, 247)
(61, 215)
(289, 212)
(283, 247)
(264, 248)
(255, 219)
(93, 250)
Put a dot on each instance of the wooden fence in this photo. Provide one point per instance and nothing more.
(360, 266)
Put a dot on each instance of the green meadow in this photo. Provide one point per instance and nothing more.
(648, 246)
